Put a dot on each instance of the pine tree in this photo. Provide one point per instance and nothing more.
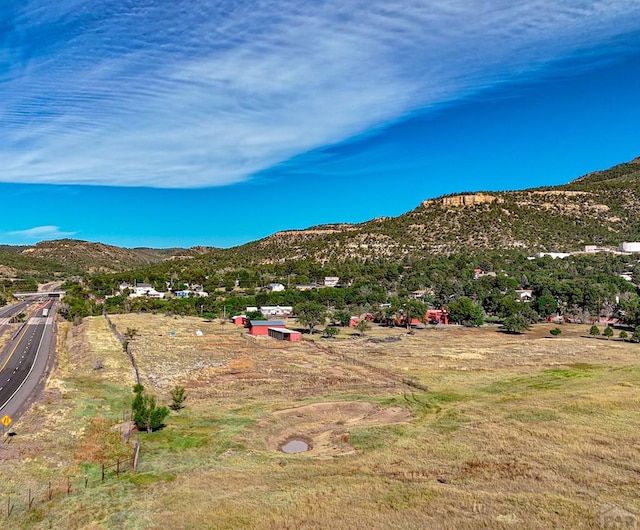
(178, 397)
(146, 412)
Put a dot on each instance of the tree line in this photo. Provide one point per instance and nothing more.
(471, 288)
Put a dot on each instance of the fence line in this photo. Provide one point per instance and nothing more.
(72, 483)
(125, 344)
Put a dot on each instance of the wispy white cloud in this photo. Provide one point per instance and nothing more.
(205, 93)
(38, 233)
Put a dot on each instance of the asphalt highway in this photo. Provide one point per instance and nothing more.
(12, 310)
(25, 359)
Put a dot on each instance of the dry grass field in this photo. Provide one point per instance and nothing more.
(514, 431)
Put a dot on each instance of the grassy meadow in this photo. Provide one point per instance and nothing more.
(515, 431)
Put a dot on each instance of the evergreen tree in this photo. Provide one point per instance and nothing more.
(146, 412)
(178, 397)
(330, 332)
(363, 326)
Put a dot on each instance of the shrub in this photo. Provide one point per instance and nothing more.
(130, 334)
(623, 334)
(330, 332)
(555, 331)
(515, 324)
(255, 315)
(363, 326)
(178, 397)
(608, 332)
(342, 317)
(594, 330)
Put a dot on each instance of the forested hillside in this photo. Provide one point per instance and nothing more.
(600, 208)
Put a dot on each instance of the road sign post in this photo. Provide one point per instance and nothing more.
(6, 420)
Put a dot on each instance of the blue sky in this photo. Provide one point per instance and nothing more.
(161, 124)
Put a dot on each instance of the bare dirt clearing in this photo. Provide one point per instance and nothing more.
(325, 426)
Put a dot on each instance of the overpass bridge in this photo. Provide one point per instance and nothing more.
(41, 294)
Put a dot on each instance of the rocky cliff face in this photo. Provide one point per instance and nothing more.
(468, 199)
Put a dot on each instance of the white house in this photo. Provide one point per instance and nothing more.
(272, 311)
(142, 289)
(479, 273)
(524, 295)
(275, 287)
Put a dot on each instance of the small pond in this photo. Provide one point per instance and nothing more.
(295, 446)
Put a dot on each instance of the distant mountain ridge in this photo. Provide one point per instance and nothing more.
(68, 256)
(602, 207)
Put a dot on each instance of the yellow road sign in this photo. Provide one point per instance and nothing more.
(6, 420)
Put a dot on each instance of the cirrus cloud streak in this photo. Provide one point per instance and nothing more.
(207, 93)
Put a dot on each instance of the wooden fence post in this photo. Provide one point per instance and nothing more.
(102, 471)
(136, 452)
(49, 496)
(30, 499)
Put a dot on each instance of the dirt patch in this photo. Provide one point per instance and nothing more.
(325, 426)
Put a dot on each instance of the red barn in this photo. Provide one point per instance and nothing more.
(239, 320)
(261, 327)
